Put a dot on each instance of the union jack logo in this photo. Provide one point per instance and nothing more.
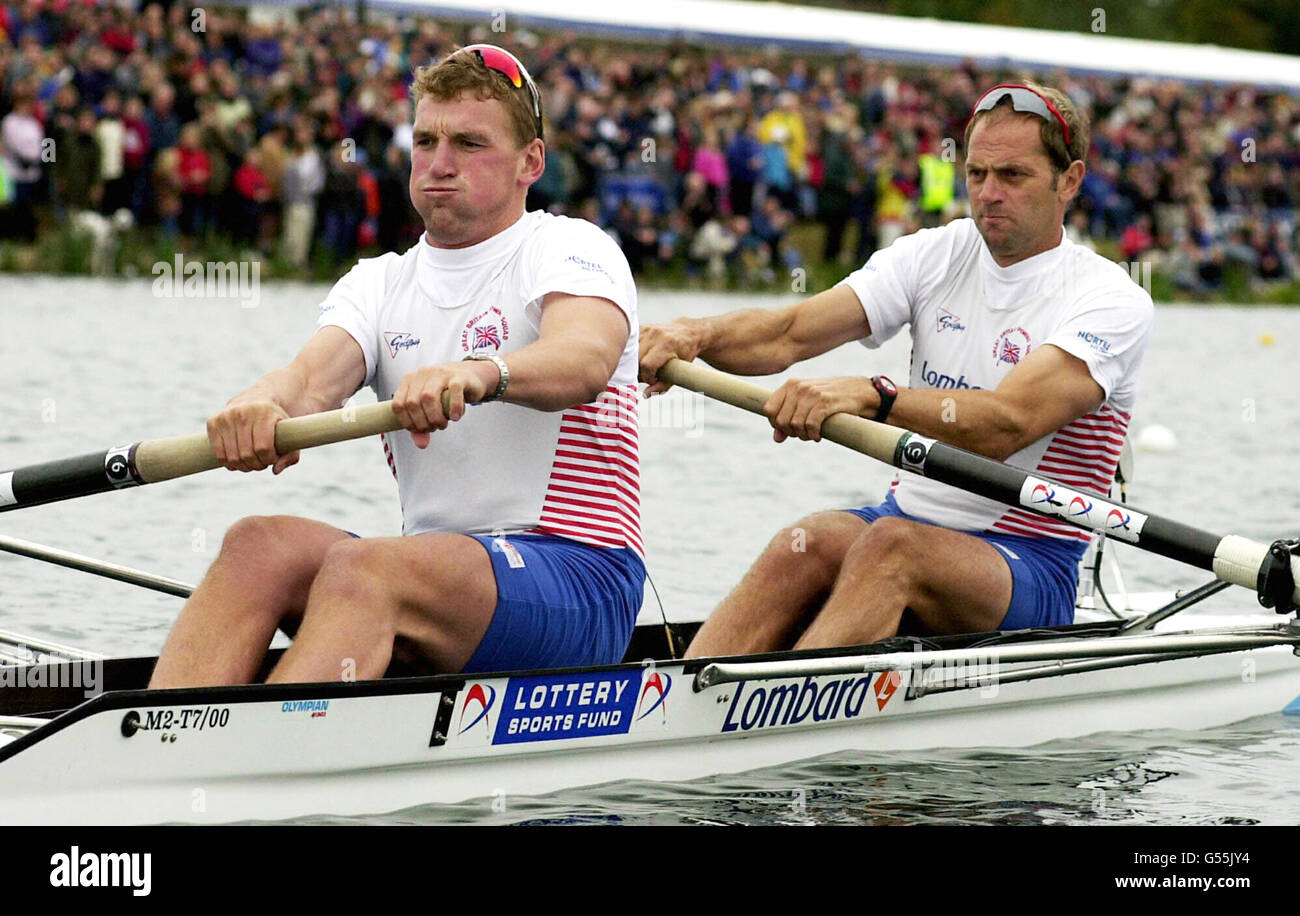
(487, 336)
(1010, 353)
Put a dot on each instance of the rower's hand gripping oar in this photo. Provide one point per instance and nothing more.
(156, 460)
(1272, 571)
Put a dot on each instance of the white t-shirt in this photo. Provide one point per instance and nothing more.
(973, 321)
(502, 467)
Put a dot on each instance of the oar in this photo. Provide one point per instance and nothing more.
(1271, 570)
(155, 460)
(96, 567)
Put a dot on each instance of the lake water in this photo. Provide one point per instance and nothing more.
(88, 364)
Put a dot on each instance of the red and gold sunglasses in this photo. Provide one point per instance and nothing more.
(509, 66)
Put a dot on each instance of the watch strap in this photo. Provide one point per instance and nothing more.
(888, 394)
(502, 368)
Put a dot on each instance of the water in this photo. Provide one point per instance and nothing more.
(89, 364)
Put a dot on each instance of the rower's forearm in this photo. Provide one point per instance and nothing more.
(552, 375)
(747, 342)
(978, 421)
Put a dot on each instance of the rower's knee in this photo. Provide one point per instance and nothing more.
(811, 549)
(349, 571)
(264, 551)
(257, 537)
(889, 545)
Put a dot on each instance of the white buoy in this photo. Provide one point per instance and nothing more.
(1157, 438)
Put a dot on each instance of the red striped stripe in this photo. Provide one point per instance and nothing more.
(624, 394)
(1054, 469)
(631, 492)
(601, 497)
(600, 488)
(614, 520)
(1091, 434)
(615, 537)
(1060, 473)
(1071, 535)
(593, 494)
(618, 434)
(586, 521)
(615, 515)
(579, 534)
(555, 498)
(1112, 445)
(1104, 453)
(1037, 522)
(597, 450)
(585, 473)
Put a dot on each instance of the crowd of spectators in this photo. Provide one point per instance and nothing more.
(295, 139)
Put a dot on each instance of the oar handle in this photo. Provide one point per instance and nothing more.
(858, 433)
(178, 456)
(155, 460)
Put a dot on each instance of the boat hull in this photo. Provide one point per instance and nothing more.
(273, 753)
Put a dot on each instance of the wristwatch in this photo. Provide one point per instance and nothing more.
(888, 392)
(501, 368)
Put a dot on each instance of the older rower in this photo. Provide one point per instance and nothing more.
(1025, 347)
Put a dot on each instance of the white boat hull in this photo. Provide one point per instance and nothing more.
(237, 754)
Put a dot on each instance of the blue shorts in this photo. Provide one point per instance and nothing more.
(1044, 571)
(560, 604)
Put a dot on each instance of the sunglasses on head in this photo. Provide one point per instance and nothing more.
(1025, 100)
(509, 66)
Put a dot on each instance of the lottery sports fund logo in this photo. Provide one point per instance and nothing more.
(478, 706)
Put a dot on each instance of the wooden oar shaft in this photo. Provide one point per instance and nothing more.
(1266, 569)
(155, 460)
(166, 459)
(874, 439)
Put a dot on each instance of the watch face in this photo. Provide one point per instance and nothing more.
(886, 385)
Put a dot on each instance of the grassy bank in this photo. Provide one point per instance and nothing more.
(60, 251)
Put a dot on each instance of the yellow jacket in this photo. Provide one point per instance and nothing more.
(796, 137)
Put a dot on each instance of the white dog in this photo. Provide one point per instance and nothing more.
(103, 232)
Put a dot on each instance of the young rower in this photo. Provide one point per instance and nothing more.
(1025, 347)
(521, 543)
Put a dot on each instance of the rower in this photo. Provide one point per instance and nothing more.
(1026, 348)
(507, 343)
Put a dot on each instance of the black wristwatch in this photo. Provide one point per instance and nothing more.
(888, 392)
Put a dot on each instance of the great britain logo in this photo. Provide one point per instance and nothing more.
(1011, 346)
(487, 330)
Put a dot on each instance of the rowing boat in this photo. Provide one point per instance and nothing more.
(89, 744)
(257, 752)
